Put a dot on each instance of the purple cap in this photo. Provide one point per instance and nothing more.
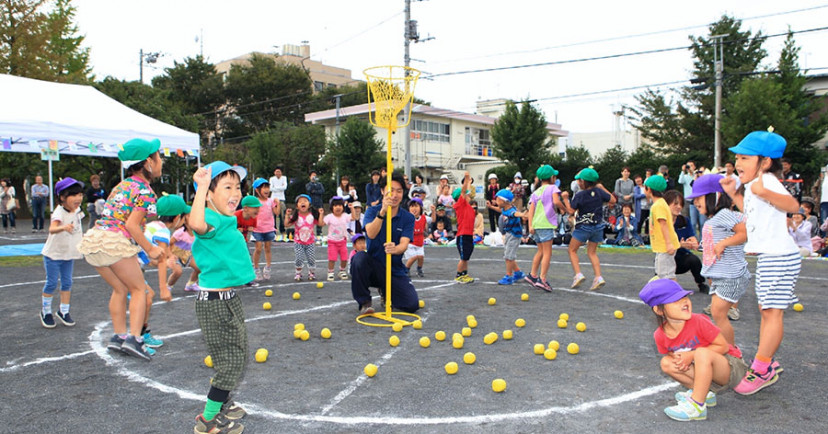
(706, 184)
(65, 183)
(356, 237)
(417, 200)
(662, 291)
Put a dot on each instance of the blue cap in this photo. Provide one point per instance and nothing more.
(305, 196)
(706, 184)
(764, 143)
(221, 167)
(258, 182)
(662, 291)
(505, 194)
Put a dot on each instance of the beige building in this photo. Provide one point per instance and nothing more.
(442, 141)
(323, 76)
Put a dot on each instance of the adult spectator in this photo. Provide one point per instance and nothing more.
(444, 182)
(8, 205)
(315, 189)
(368, 268)
(94, 193)
(278, 185)
(687, 178)
(518, 190)
(665, 172)
(489, 195)
(730, 172)
(419, 182)
(823, 195)
(421, 193)
(624, 188)
(373, 190)
(791, 180)
(440, 215)
(347, 192)
(40, 195)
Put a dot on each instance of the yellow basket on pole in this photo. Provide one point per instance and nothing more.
(390, 90)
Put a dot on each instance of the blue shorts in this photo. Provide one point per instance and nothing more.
(465, 246)
(264, 236)
(590, 233)
(543, 235)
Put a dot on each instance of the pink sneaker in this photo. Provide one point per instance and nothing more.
(754, 382)
(192, 287)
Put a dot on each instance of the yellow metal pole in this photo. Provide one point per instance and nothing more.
(389, 169)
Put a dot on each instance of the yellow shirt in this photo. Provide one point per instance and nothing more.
(661, 211)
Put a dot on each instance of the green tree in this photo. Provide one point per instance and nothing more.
(297, 148)
(356, 150)
(197, 88)
(610, 163)
(66, 60)
(521, 138)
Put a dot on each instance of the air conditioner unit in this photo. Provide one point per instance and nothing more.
(461, 166)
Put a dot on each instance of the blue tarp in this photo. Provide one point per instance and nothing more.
(21, 250)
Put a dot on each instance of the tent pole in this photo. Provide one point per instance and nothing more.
(51, 188)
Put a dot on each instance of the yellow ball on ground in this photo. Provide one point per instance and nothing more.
(492, 301)
(208, 361)
(472, 323)
(470, 317)
(469, 358)
(581, 327)
(418, 324)
(564, 316)
(298, 326)
(268, 293)
(304, 335)
(266, 305)
(520, 322)
(539, 349)
(394, 340)
(425, 342)
(320, 284)
(370, 369)
(297, 296)
(261, 355)
(297, 334)
(325, 333)
(466, 332)
(440, 336)
(451, 368)
(507, 334)
(457, 343)
(524, 297)
(490, 338)
(550, 354)
(618, 314)
(562, 323)
(555, 345)
(572, 348)
(798, 307)
(499, 385)
(455, 336)
(422, 304)
(397, 327)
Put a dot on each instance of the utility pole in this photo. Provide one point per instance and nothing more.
(338, 98)
(151, 58)
(718, 65)
(411, 34)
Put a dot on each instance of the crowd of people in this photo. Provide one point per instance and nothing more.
(722, 215)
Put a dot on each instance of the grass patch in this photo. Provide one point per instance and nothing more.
(20, 261)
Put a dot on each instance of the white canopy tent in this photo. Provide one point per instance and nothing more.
(55, 118)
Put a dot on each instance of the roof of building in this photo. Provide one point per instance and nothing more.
(362, 109)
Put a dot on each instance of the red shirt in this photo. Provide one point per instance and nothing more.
(465, 216)
(419, 229)
(698, 331)
(243, 223)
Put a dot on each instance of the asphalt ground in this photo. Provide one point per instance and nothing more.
(64, 380)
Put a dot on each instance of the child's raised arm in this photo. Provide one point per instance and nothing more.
(196, 221)
(321, 219)
(277, 206)
(782, 201)
(729, 186)
(289, 223)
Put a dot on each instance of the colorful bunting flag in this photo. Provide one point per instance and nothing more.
(53, 145)
(179, 152)
(6, 146)
(166, 152)
(72, 146)
(193, 152)
(92, 148)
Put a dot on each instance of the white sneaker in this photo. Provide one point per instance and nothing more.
(266, 273)
(258, 274)
(577, 280)
(330, 276)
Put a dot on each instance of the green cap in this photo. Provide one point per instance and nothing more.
(456, 193)
(656, 182)
(251, 202)
(171, 205)
(587, 174)
(545, 172)
(137, 150)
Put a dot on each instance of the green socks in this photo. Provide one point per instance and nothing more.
(211, 409)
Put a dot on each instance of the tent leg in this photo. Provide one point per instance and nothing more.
(51, 188)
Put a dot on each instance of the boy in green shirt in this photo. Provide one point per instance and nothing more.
(221, 253)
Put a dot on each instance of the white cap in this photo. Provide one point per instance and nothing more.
(444, 177)
(492, 176)
(518, 175)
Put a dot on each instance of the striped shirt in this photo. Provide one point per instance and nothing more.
(732, 264)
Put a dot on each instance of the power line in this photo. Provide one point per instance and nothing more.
(618, 38)
(362, 32)
(609, 56)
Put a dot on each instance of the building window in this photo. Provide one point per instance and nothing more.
(318, 86)
(431, 131)
(332, 85)
(478, 142)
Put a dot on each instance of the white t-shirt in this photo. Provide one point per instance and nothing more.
(278, 187)
(63, 246)
(824, 188)
(767, 226)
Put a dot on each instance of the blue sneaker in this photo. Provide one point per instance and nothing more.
(709, 400)
(151, 341)
(518, 276)
(506, 280)
(47, 320)
(150, 351)
(66, 319)
(686, 410)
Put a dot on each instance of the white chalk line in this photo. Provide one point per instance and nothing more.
(99, 349)
(45, 360)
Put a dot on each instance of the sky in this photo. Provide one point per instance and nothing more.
(468, 35)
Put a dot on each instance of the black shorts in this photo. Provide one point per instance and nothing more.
(465, 246)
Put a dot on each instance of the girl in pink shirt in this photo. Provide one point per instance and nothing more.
(304, 220)
(265, 231)
(337, 223)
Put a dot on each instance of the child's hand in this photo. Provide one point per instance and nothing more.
(758, 187)
(671, 250)
(565, 195)
(321, 212)
(166, 295)
(69, 227)
(155, 252)
(718, 249)
(683, 360)
(202, 176)
(728, 185)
